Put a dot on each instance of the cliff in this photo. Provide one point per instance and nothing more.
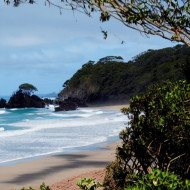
(113, 79)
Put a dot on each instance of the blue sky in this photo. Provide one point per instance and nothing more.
(42, 47)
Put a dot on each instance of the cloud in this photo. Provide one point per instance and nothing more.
(40, 46)
(21, 41)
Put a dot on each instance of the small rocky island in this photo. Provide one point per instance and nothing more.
(23, 98)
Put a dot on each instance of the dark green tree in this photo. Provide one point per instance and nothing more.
(158, 135)
(27, 88)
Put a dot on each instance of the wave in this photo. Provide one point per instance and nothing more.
(51, 107)
(86, 110)
(37, 125)
(58, 150)
(31, 156)
(84, 114)
(45, 132)
(14, 109)
(3, 112)
(2, 129)
(30, 114)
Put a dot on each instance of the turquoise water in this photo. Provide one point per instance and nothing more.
(29, 133)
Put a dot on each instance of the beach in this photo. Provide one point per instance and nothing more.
(59, 171)
(53, 169)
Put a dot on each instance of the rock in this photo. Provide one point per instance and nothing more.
(48, 101)
(36, 102)
(23, 100)
(2, 103)
(70, 104)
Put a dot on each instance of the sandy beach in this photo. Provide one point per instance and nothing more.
(114, 107)
(60, 172)
(54, 169)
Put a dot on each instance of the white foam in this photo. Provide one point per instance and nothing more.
(2, 129)
(14, 109)
(51, 107)
(64, 115)
(36, 125)
(86, 114)
(31, 114)
(98, 112)
(31, 156)
(3, 112)
(43, 134)
(86, 110)
(58, 150)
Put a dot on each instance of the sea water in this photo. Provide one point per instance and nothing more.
(29, 133)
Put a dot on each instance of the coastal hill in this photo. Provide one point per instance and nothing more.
(112, 79)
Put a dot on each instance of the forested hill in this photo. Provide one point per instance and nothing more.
(112, 78)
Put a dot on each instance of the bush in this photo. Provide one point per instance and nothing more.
(88, 184)
(159, 180)
(42, 187)
(158, 136)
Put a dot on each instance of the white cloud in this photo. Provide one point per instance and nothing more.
(21, 41)
(38, 45)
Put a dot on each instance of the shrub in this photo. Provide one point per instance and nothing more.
(88, 184)
(159, 180)
(158, 135)
(42, 187)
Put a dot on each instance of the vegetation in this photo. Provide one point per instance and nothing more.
(157, 179)
(158, 136)
(168, 19)
(42, 187)
(88, 184)
(110, 76)
(27, 88)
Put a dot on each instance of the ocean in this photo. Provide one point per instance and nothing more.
(30, 133)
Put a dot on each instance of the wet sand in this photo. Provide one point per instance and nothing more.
(54, 169)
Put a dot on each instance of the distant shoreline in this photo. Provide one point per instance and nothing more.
(108, 106)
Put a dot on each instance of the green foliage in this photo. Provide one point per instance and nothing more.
(158, 136)
(30, 188)
(27, 88)
(158, 180)
(111, 76)
(88, 184)
(42, 187)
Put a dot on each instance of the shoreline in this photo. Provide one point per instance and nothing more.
(53, 169)
(99, 146)
(109, 107)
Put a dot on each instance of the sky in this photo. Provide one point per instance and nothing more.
(41, 47)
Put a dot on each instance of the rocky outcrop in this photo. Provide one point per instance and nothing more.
(70, 104)
(24, 100)
(2, 103)
(48, 101)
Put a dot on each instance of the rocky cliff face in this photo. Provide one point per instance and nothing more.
(82, 92)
